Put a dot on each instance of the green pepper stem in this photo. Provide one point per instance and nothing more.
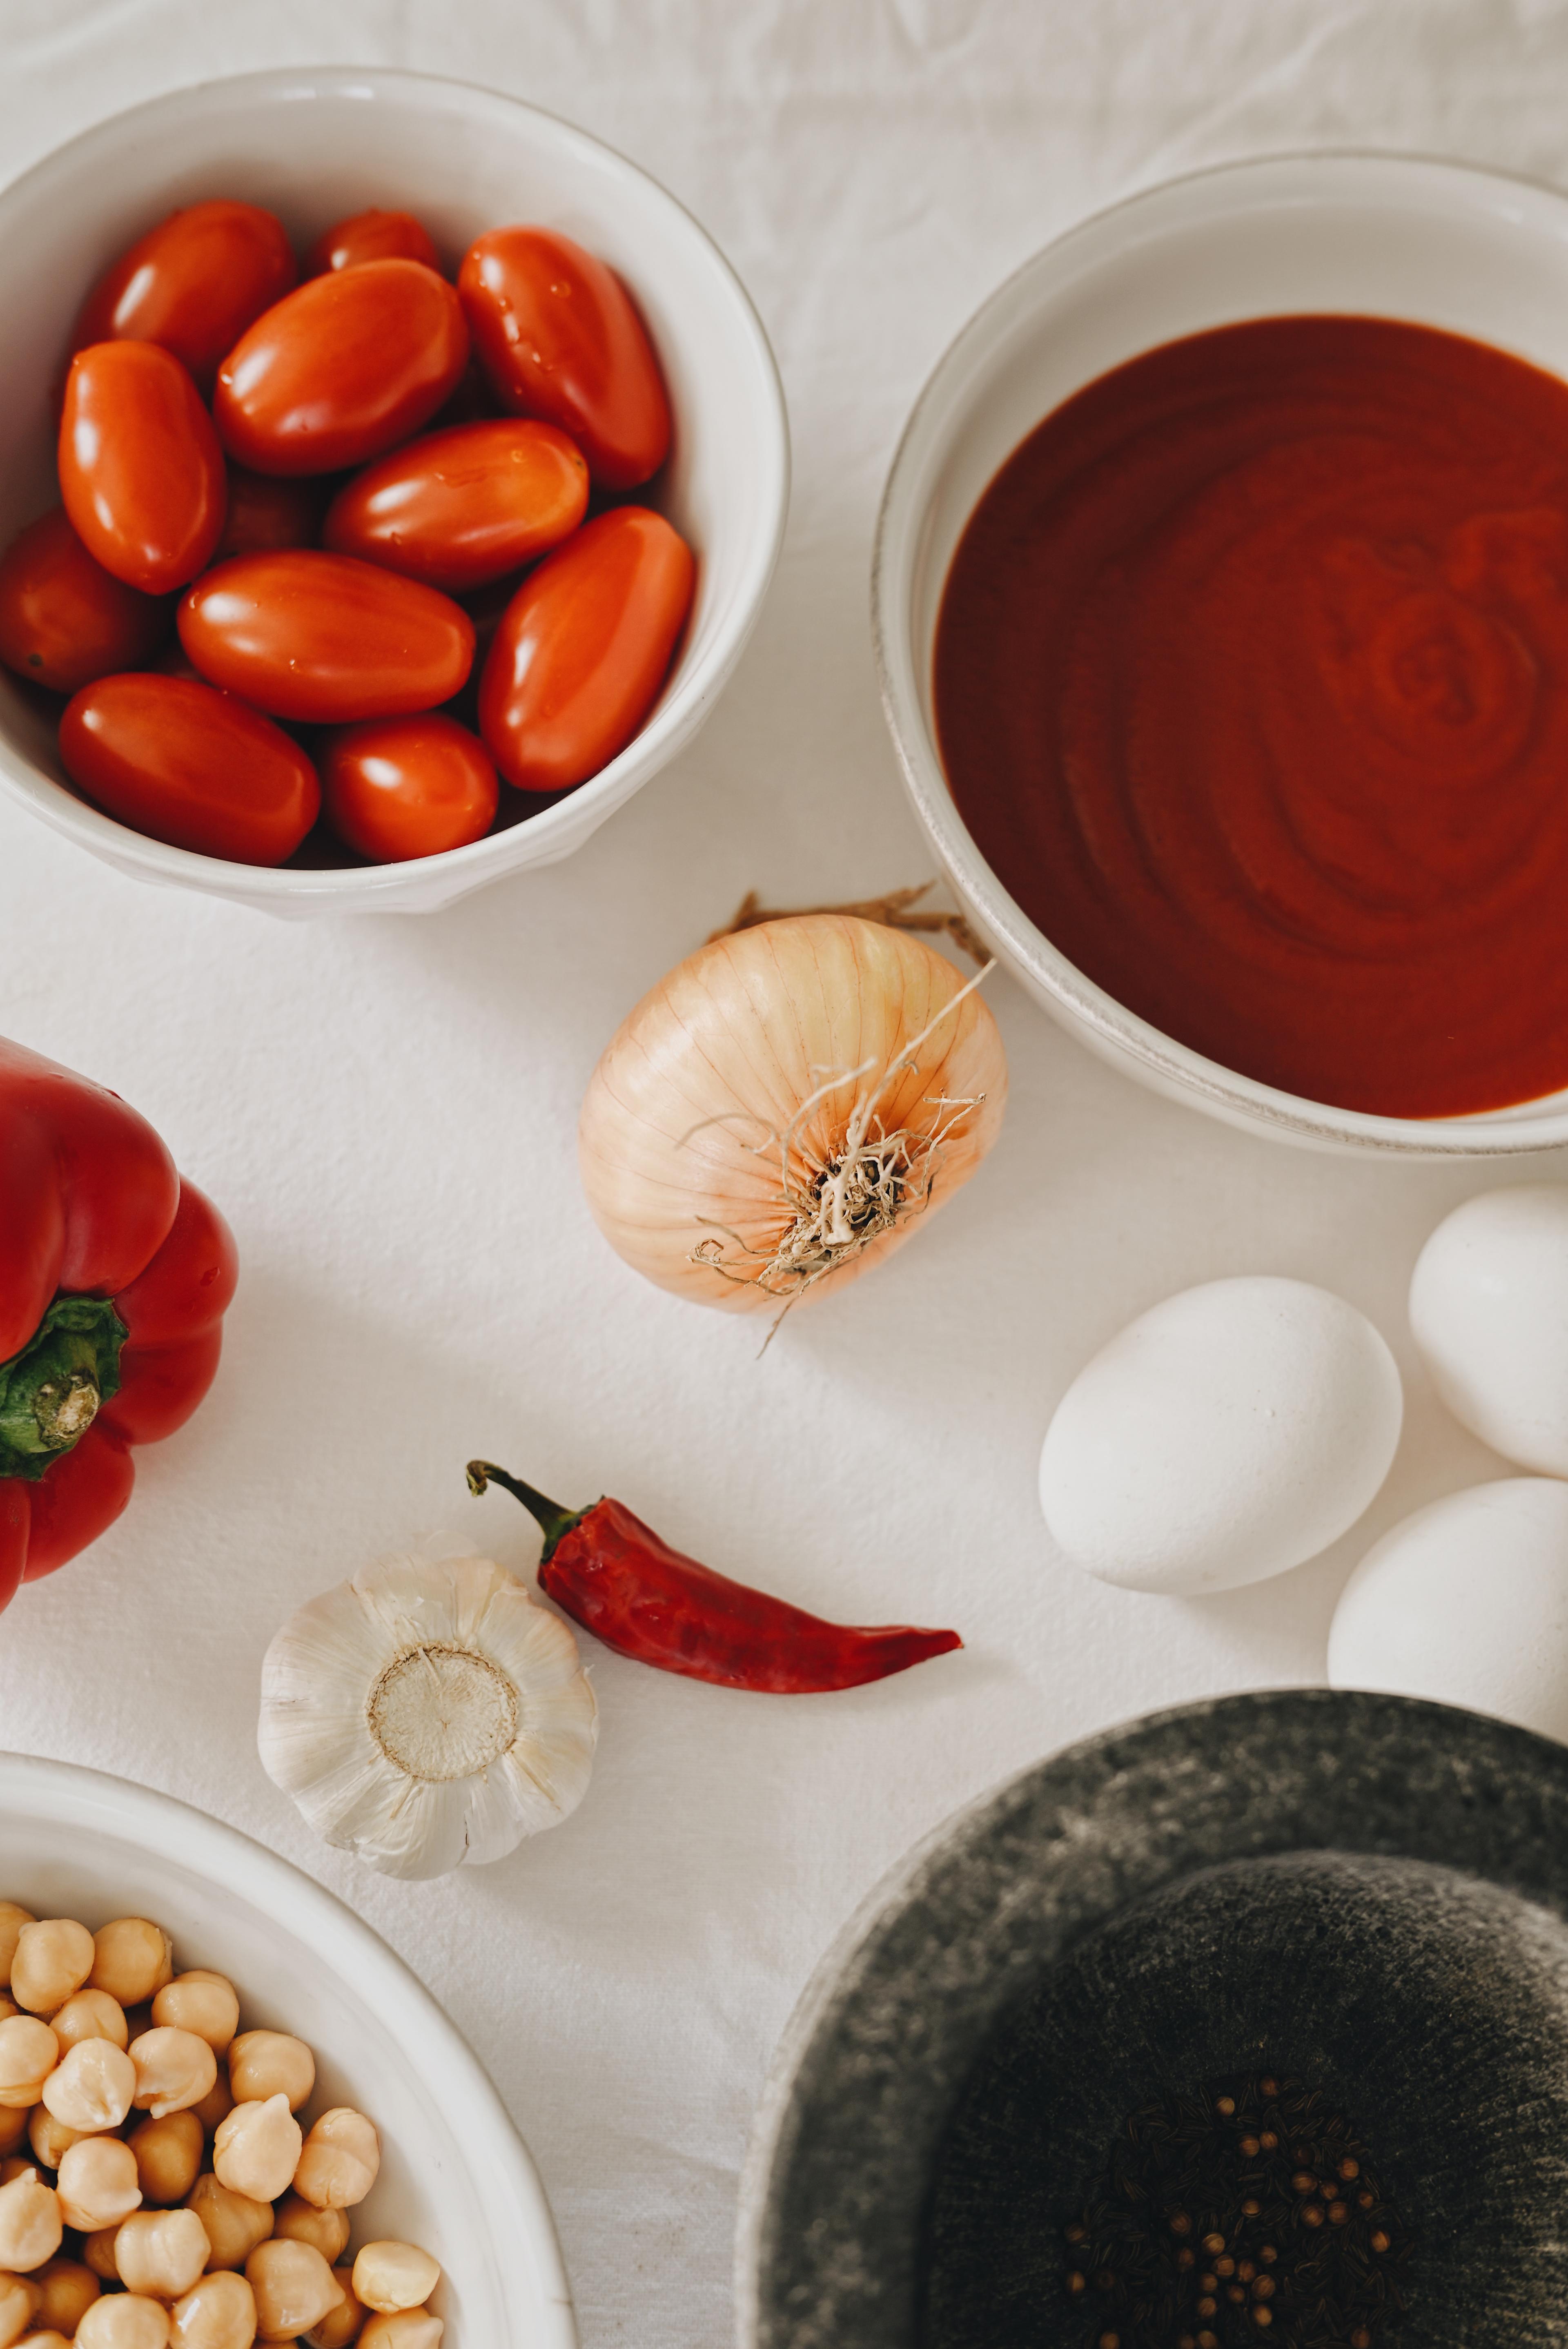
(52, 1391)
(554, 1522)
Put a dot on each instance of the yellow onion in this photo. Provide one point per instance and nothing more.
(786, 1108)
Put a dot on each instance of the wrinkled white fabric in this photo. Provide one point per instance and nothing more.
(386, 1112)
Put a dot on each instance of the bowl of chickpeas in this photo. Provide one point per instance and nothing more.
(228, 2114)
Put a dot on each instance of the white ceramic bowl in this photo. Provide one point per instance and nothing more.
(454, 2177)
(1391, 236)
(314, 145)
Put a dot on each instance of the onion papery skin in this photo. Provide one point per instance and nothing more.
(676, 1140)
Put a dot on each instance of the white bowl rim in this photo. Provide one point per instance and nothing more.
(67, 1794)
(355, 887)
(1170, 1066)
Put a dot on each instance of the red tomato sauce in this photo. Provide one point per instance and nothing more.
(1250, 680)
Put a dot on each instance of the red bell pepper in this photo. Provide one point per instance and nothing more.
(114, 1277)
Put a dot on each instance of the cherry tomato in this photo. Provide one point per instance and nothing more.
(461, 508)
(192, 767)
(559, 338)
(345, 366)
(582, 649)
(63, 619)
(324, 638)
(194, 284)
(267, 513)
(402, 787)
(141, 472)
(372, 236)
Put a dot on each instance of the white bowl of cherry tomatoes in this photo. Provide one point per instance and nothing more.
(390, 477)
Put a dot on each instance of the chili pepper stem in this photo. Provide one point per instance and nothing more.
(554, 1522)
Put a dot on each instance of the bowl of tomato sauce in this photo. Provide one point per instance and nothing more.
(1220, 607)
(394, 630)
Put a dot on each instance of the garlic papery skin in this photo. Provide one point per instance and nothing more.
(787, 1107)
(427, 1713)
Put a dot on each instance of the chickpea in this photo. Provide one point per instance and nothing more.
(12, 2127)
(20, 2298)
(391, 2276)
(30, 2223)
(43, 2340)
(48, 2137)
(97, 2254)
(326, 2231)
(97, 2184)
(132, 1959)
(66, 2290)
(123, 2320)
(340, 2326)
(409, 2328)
(12, 1920)
(215, 2106)
(90, 2015)
(257, 2149)
(235, 2223)
(8, 2006)
(161, 2252)
(29, 2052)
(338, 2165)
(294, 2289)
(219, 2313)
(53, 1959)
(174, 2069)
(18, 2166)
(167, 2157)
(265, 2063)
(93, 2087)
(200, 2001)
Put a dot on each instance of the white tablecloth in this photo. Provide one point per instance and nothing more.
(386, 1112)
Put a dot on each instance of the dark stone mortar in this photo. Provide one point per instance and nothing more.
(1369, 1893)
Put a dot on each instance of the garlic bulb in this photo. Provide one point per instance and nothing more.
(783, 1109)
(427, 1713)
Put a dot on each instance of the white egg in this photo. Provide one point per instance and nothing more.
(1466, 1602)
(1223, 1436)
(1489, 1310)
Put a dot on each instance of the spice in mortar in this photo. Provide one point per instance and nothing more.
(1249, 2211)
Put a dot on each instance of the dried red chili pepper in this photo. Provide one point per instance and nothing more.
(613, 1574)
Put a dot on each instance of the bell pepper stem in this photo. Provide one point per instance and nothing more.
(51, 1391)
(554, 1522)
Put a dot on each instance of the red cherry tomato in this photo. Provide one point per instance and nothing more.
(582, 649)
(192, 767)
(63, 619)
(461, 508)
(402, 787)
(345, 366)
(559, 338)
(372, 236)
(194, 284)
(141, 472)
(266, 513)
(324, 638)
